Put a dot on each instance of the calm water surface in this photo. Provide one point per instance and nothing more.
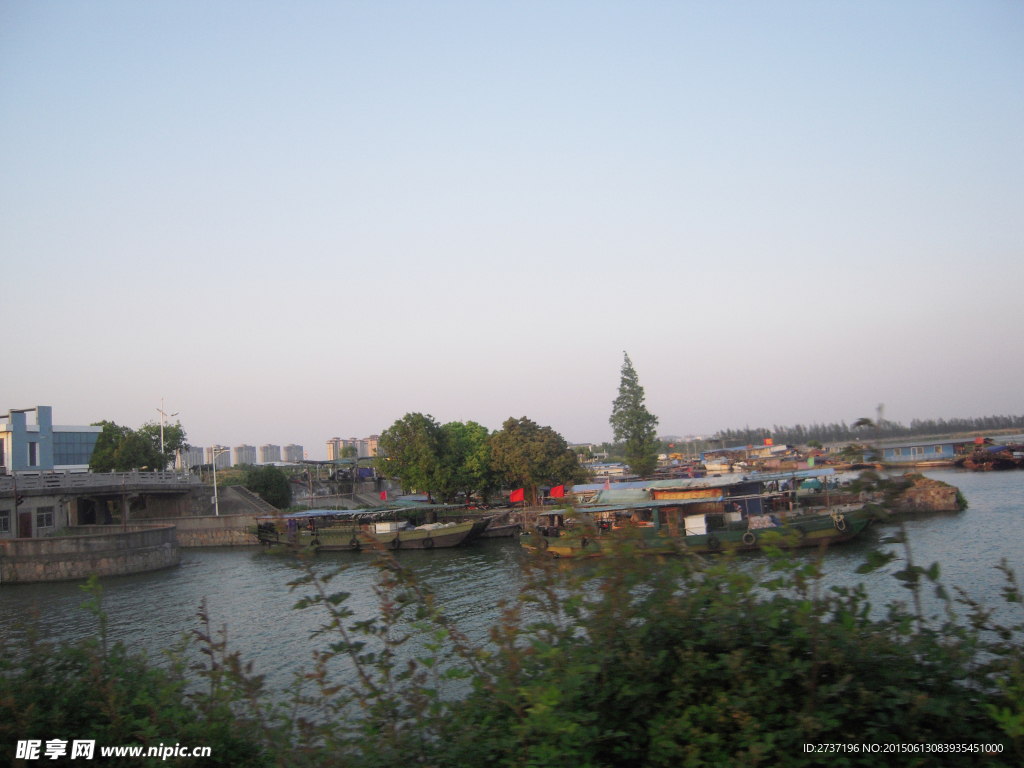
(247, 589)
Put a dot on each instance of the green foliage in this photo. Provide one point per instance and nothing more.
(628, 661)
(466, 460)
(411, 450)
(961, 500)
(97, 690)
(349, 452)
(122, 448)
(634, 424)
(270, 484)
(526, 454)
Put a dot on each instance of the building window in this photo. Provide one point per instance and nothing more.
(33, 456)
(44, 517)
(1, 451)
(897, 451)
(5, 521)
(938, 449)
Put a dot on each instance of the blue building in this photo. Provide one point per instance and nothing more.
(38, 445)
(920, 451)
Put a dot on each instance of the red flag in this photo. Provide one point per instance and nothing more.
(383, 495)
(518, 495)
(607, 483)
(558, 492)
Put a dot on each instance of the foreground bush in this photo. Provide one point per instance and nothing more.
(628, 661)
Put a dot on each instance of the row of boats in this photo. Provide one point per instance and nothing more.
(705, 515)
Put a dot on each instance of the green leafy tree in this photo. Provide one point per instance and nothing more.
(465, 460)
(526, 454)
(270, 484)
(174, 438)
(634, 424)
(349, 452)
(410, 449)
(103, 457)
(123, 449)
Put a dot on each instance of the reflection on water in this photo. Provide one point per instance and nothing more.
(247, 589)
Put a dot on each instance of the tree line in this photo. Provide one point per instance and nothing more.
(800, 434)
(448, 460)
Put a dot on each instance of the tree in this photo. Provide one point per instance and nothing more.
(410, 449)
(526, 454)
(466, 460)
(349, 452)
(123, 449)
(174, 439)
(634, 424)
(270, 484)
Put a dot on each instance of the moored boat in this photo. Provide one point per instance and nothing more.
(334, 530)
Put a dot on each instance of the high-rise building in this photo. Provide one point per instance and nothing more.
(270, 454)
(245, 454)
(190, 457)
(293, 453)
(368, 447)
(334, 446)
(223, 456)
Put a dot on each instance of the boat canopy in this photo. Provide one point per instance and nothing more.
(405, 508)
(639, 505)
(713, 481)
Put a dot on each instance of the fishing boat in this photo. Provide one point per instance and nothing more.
(327, 530)
(710, 514)
(563, 536)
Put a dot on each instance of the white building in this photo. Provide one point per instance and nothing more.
(245, 454)
(223, 454)
(190, 457)
(270, 454)
(293, 453)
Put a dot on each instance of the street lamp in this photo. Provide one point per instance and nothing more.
(162, 417)
(216, 502)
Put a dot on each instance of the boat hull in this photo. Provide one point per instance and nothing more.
(354, 539)
(814, 533)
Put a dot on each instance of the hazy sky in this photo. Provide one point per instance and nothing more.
(300, 220)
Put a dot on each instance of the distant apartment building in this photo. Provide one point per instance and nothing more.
(245, 454)
(270, 454)
(190, 457)
(222, 454)
(366, 447)
(293, 453)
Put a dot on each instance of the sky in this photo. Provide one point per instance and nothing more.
(293, 221)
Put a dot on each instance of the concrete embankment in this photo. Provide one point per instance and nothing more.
(90, 549)
(211, 531)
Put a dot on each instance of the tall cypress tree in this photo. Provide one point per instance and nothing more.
(634, 424)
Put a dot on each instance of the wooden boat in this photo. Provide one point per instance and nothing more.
(331, 530)
(587, 539)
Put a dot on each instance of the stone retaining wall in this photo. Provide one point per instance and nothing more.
(212, 531)
(103, 550)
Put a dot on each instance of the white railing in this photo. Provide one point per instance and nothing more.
(60, 481)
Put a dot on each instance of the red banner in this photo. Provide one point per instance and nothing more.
(768, 441)
(558, 492)
(518, 495)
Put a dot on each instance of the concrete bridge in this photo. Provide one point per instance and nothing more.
(33, 505)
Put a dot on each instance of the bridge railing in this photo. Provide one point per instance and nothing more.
(62, 481)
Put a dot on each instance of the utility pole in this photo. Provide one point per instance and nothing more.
(216, 501)
(163, 416)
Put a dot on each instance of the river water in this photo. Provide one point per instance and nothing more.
(246, 588)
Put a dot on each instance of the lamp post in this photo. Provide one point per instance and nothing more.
(216, 502)
(163, 416)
